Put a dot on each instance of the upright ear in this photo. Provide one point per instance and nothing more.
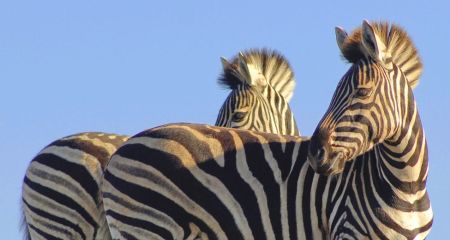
(225, 64)
(371, 42)
(341, 35)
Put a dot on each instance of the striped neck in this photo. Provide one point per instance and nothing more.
(406, 153)
(281, 110)
(399, 176)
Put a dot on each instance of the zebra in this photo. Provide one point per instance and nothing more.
(372, 136)
(361, 175)
(60, 193)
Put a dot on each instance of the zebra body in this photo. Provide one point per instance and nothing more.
(61, 188)
(187, 181)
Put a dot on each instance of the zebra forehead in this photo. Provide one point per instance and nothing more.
(366, 72)
(244, 93)
(358, 74)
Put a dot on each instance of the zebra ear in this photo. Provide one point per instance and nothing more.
(341, 35)
(371, 43)
(225, 64)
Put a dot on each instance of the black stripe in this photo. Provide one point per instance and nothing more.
(372, 202)
(261, 170)
(87, 146)
(341, 193)
(155, 200)
(283, 158)
(233, 181)
(306, 200)
(353, 193)
(320, 191)
(75, 171)
(172, 168)
(149, 226)
(352, 220)
(391, 198)
(292, 184)
(53, 218)
(60, 198)
(199, 193)
(128, 236)
(43, 234)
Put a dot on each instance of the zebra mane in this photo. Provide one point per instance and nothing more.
(273, 66)
(400, 46)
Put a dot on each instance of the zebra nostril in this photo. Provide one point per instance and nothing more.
(318, 160)
(320, 153)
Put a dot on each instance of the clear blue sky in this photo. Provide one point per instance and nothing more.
(125, 66)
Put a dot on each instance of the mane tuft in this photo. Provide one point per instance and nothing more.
(398, 44)
(273, 66)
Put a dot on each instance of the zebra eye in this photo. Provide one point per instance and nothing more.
(238, 116)
(363, 92)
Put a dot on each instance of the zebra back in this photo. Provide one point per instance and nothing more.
(190, 181)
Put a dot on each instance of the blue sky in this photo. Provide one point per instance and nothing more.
(122, 66)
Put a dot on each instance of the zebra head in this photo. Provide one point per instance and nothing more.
(371, 99)
(261, 83)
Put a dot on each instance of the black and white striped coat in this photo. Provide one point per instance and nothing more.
(187, 181)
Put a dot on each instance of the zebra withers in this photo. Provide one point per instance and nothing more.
(188, 181)
(60, 195)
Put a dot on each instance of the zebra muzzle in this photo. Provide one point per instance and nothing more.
(317, 158)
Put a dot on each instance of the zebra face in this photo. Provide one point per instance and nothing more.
(364, 111)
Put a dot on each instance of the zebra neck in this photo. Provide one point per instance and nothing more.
(386, 185)
(404, 160)
(281, 113)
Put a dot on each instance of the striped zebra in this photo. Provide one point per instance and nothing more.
(372, 136)
(361, 175)
(60, 196)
